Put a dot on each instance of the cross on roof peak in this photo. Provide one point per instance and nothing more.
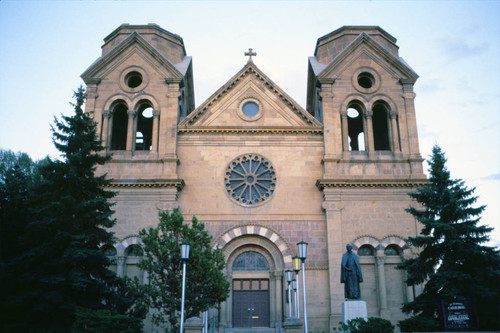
(249, 54)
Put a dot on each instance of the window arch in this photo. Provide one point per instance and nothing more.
(108, 250)
(132, 257)
(366, 250)
(250, 261)
(355, 127)
(392, 250)
(144, 128)
(119, 126)
(380, 121)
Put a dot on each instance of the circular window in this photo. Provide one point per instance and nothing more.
(250, 109)
(250, 180)
(133, 79)
(366, 80)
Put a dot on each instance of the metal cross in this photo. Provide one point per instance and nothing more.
(249, 54)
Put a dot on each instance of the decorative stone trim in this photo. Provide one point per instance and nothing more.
(381, 245)
(363, 183)
(177, 183)
(239, 130)
(257, 230)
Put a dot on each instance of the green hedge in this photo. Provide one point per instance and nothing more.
(372, 325)
(419, 324)
(105, 321)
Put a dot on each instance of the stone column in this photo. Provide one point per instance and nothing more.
(156, 116)
(276, 297)
(106, 115)
(410, 118)
(382, 292)
(333, 206)
(130, 130)
(120, 266)
(394, 131)
(369, 145)
(345, 130)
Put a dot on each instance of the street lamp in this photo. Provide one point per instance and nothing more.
(289, 278)
(184, 257)
(294, 287)
(296, 269)
(302, 256)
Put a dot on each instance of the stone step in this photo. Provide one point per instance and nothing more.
(250, 330)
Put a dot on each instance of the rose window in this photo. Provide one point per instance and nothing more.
(250, 179)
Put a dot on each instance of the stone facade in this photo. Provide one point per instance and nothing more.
(262, 172)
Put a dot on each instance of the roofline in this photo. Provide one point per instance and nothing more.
(115, 32)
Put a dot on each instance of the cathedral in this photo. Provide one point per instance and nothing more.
(262, 172)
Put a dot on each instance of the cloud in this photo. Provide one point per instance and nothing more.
(495, 176)
(458, 49)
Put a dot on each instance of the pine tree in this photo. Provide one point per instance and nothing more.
(206, 286)
(15, 185)
(64, 267)
(452, 260)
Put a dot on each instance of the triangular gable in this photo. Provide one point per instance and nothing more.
(386, 59)
(133, 43)
(250, 82)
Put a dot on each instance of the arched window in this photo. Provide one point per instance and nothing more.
(250, 261)
(144, 132)
(355, 128)
(132, 254)
(392, 250)
(381, 127)
(134, 250)
(119, 127)
(366, 250)
(108, 250)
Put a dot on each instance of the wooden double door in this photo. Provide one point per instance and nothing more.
(251, 303)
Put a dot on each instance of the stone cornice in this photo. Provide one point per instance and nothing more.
(251, 130)
(156, 183)
(364, 183)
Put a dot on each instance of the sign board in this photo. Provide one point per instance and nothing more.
(457, 314)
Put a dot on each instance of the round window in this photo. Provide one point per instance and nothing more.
(366, 80)
(250, 109)
(250, 180)
(133, 79)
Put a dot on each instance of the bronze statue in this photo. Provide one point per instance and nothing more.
(350, 274)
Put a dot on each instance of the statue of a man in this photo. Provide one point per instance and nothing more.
(350, 274)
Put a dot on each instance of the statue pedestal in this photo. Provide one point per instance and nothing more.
(353, 309)
(293, 325)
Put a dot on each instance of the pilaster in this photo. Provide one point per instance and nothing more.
(333, 206)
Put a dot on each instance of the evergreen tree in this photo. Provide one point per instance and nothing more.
(63, 266)
(15, 185)
(206, 286)
(452, 260)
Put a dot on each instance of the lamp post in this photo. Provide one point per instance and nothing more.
(302, 256)
(184, 257)
(296, 269)
(289, 278)
(294, 288)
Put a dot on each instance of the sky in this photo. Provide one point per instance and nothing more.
(454, 46)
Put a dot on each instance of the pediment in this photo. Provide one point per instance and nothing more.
(132, 46)
(224, 109)
(366, 48)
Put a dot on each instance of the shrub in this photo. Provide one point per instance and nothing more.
(419, 324)
(105, 321)
(372, 325)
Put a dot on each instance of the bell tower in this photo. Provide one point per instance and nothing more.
(136, 92)
(362, 92)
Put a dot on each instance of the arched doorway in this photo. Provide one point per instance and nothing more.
(250, 290)
(267, 243)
